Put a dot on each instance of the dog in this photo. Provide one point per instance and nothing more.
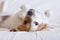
(24, 20)
(25, 23)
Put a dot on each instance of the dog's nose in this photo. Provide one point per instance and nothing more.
(30, 12)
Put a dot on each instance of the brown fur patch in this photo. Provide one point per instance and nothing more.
(25, 27)
(41, 27)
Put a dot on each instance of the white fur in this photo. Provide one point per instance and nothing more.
(36, 18)
(40, 19)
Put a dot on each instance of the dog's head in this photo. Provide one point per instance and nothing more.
(38, 21)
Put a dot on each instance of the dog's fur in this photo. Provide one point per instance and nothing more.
(41, 23)
(16, 23)
(41, 27)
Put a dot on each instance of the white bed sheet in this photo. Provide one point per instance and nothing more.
(39, 35)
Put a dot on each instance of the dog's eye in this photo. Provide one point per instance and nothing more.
(36, 23)
(25, 22)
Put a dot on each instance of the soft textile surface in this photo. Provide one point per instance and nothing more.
(39, 35)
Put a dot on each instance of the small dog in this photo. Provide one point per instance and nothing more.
(24, 20)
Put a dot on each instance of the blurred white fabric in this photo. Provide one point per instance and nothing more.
(39, 35)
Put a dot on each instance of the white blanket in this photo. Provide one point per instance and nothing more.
(39, 35)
